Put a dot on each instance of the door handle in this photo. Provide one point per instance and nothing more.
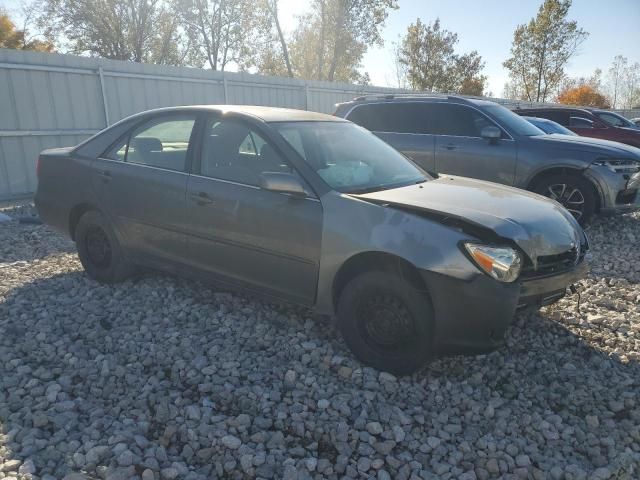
(201, 198)
(105, 175)
(450, 146)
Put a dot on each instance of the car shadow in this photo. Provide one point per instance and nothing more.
(81, 359)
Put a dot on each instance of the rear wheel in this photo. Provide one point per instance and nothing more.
(99, 250)
(573, 192)
(386, 322)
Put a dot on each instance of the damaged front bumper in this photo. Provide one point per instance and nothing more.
(544, 290)
(472, 316)
(618, 190)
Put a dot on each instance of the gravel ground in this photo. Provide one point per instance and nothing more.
(166, 378)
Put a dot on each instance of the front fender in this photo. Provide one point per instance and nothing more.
(352, 226)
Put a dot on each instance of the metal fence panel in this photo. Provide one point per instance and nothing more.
(51, 100)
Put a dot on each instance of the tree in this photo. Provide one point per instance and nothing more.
(541, 50)
(594, 81)
(11, 37)
(584, 95)
(624, 83)
(631, 81)
(616, 75)
(329, 41)
(135, 30)
(428, 53)
(223, 31)
(272, 8)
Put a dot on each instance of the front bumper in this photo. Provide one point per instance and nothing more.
(472, 316)
(550, 288)
(617, 191)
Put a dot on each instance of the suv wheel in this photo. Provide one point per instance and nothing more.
(99, 250)
(386, 322)
(572, 191)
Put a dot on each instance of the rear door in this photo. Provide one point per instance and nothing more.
(460, 150)
(142, 182)
(241, 233)
(406, 126)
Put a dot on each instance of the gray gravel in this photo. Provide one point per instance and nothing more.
(163, 378)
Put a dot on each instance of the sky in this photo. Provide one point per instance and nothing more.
(487, 26)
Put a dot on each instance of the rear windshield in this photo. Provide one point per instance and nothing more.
(349, 158)
(549, 126)
(512, 122)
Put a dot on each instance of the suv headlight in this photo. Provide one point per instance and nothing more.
(623, 165)
(501, 263)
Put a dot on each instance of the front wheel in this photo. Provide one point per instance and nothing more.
(99, 250)
(386, 322)
(573, 192)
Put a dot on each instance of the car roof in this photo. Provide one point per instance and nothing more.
(266, 114)
(551, 107)
(414, 97)
(538, 119)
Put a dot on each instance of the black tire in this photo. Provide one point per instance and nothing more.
(572, 191)
(376, 306)
(99, 250)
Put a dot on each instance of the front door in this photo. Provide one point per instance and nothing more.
(142, 185)
(460, 149)
(242, 233)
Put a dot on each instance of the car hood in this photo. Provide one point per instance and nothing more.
(539, 226)
(594, 145)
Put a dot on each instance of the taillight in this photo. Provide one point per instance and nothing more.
(38, 167)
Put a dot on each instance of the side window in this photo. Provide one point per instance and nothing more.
(119, 151)
(162, 142)
(459, 121)
(580, 122)
(401, 117)
(232, 151)
(558, 116)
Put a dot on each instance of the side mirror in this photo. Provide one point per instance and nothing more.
(491, 133)
(282, 183)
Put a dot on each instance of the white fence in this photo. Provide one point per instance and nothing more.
(51, 100)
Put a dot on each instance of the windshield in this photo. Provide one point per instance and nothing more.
(511, 121)
(349, 158)
(548, 126)
(614, 120)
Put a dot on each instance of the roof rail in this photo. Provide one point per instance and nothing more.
(391, 96)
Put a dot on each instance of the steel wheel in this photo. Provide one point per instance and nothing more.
(569, 196)
(385, 322)
(98, 247)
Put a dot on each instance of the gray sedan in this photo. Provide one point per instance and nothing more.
(312, 209)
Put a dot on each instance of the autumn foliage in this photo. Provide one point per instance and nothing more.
(10, 37)
(584, 95)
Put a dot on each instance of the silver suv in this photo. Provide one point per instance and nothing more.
(484, 140)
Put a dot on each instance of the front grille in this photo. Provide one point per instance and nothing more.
(554, 264)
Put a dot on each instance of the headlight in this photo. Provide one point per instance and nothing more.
(623, 165)
(502, 263)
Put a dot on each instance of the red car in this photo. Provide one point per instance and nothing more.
(589, 122)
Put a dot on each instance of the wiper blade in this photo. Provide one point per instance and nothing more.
(377, 188)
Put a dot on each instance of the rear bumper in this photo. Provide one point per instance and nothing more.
(51, 213)
(472, 316)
